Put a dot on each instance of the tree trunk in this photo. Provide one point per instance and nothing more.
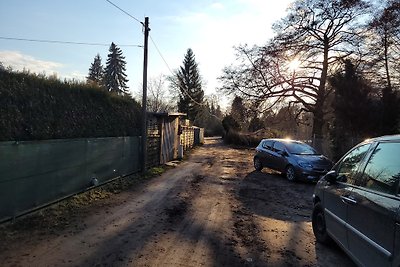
(389, 84)
(318, 121)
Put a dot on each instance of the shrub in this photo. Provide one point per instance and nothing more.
(249, 139)
(230, 124)
(34, 107)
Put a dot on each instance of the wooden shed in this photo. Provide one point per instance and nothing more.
(163, 132)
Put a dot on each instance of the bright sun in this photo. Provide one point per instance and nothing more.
(294, 64)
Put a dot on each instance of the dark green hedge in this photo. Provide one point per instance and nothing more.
(34, 107)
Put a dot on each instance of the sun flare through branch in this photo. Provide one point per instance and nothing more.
(294, 64)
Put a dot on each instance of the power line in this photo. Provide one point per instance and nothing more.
(62, 42)
(124, 12)
(159, 52)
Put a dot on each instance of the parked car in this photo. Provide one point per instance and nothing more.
(295, 159)
(357, 203)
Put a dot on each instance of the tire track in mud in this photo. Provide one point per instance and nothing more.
(245, 232)
(179, 208)
(239, 237)
(197, 214)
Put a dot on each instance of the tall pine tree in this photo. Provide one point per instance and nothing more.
(188, 82)
(115, 77)
(96, 72)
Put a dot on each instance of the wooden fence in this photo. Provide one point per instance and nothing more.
(187, 137)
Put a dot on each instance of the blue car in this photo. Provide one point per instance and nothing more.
(295, 159)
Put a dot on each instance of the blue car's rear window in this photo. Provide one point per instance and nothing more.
(300, 148)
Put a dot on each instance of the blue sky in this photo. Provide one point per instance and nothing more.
(210, 27)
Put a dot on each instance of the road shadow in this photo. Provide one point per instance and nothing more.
(175, 221)
(271, 195)
(328, 255)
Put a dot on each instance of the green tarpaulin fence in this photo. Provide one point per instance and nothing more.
(37, 173)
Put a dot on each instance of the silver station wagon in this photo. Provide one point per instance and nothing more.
(357, 203)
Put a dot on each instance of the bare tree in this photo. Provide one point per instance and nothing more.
(158, 99)
(294, 66)
(383, 44)
(383, 62)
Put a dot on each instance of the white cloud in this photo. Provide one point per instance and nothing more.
(76, 75)
(217, 5)
(19, 61)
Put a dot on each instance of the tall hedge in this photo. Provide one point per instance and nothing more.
(34, 107)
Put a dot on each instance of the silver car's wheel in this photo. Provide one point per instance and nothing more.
(257, 164)
(290, 174)
(319, 226)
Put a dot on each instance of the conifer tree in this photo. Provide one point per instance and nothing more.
(187, 81)
(96, 71)
(115, 77)
(239, 112)
(354, 110)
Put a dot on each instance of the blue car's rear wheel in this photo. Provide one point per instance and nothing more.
(290, 173)
(257, 164)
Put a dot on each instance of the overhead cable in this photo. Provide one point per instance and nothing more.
(63, 42)
(124, 12)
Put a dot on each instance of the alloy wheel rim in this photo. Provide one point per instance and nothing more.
(290, 174)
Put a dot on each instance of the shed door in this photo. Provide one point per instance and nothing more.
(168, 142)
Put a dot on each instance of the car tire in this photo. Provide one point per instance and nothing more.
(257, 164)
(290, 173)
(319, 226)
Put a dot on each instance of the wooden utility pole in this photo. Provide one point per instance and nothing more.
(144, 98)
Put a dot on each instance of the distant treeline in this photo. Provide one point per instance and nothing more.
(36, 107)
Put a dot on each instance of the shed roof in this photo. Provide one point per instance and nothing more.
(167, 114)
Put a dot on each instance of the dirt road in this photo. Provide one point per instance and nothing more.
(211, 210)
